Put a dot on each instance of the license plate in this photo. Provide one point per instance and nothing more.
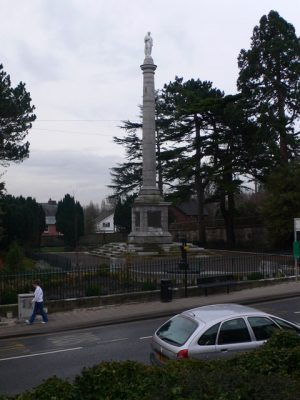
(162, 358)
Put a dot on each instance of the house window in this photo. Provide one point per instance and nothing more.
(106, 224)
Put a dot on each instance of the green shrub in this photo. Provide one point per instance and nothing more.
(255, 276)
(281, 354)
(149, 286)
(190, 380)
(14, 260)
(52, 389)
(9, 296)
(28, 264)
(283, 340)
(113, 380)
(103, 270)
(57, 249)
(93, 290)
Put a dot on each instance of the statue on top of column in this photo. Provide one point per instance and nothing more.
(148, 44)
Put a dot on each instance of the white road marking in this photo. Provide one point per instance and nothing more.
(112, 340)
(40, 354)
(297, 312)
(145, 337)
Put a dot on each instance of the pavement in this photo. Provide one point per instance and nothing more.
(108, 315)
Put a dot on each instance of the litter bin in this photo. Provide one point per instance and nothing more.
(165, 290)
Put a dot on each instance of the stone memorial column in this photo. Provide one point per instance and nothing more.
(149, 212)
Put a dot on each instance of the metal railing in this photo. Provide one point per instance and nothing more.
(142, 275)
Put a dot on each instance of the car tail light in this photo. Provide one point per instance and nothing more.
(183, 354)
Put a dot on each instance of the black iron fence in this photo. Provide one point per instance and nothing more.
(141, 275)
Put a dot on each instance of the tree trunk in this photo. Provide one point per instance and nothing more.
(282, 125)
(199, 186)
(227, 210)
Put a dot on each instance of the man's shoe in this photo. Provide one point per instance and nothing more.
(43, 322)
(28, 322)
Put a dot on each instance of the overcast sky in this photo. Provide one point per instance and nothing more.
(80, 60)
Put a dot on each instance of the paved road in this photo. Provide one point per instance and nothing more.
(32, 359)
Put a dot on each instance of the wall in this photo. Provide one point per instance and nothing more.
(245, 235)
(98, 239)
(52, 241)
(51, 231)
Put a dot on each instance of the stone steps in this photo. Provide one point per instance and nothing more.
(110, 250)
(117, 250)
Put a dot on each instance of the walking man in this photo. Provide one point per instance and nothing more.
(38, 301)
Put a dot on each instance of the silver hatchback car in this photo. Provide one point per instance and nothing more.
(214, 331)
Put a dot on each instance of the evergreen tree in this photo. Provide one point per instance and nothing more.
(2, 192)
(16, 116)
(23, 221)
(70, 220)
(127, 176)
(282, 203)
(189, 131)
(228, 152)
(122, 215)
(269, 82)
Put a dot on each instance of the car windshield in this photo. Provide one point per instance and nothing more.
(177, 330)
(286, 325)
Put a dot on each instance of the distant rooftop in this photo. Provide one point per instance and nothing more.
(49, 208)
(104, 214)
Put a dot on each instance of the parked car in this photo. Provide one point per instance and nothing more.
(214, 331)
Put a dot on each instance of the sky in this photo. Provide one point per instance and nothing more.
(80, 61)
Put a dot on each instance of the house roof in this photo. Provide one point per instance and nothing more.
(104, 214)
(49, 208)
(189, 207)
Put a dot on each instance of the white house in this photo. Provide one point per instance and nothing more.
(105, 222)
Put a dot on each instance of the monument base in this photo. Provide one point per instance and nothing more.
(149, 220)
(156, 238)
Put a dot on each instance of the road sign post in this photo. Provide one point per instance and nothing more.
(184, 263)
(296, 245)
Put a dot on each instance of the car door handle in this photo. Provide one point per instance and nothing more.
(224, 350)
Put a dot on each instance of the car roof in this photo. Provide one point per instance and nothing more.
(220, 311)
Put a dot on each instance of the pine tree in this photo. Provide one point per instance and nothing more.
(189, 132)
(16, 116)
(70, 220)
(23, 220)
(269, 81)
